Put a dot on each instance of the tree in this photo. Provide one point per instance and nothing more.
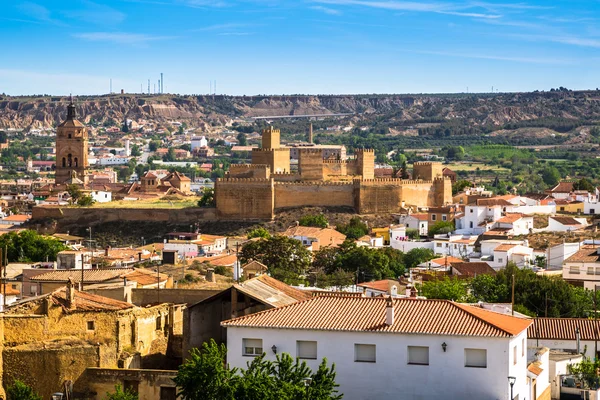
(241, 137)
(258, 233)
(170, 156)
(135, 151)
(417, 256)
(317, 221)
(286, 258)
(404, 174)
(74, 191)
(459, 186)
(121, 394)
(441, 227)
(584, 184)
(20, 391)
(446, 289)
(154, 145)
(205, 375)
(85, 201)
(354, 229)
(208, 198)
(550, 175)
(29, 246)
(587, 370)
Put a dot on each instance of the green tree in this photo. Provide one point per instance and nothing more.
(258, 233)
(135, 151)
(587, 370)
(446, 289)
(417, 256)
(286, 258)
(20, 391)
(404, 168)
(74, 191)
(154, 145)
(584, 184)
(550, 175)
(486, 288)
(85, 201)
(317, 221)
(441, 227)
(208, 198)
(170, 156)
(121, 394)
(29, 246)
(459, 186)
(241, 138)
(354, 229)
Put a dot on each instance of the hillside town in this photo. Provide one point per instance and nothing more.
(451, 283)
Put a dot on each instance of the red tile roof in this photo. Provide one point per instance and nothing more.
(473, 268)
(368, 314)
(445, 261)
(510, 218)
(88, 302)
(563, 328)
(562, 187)
(382, 285)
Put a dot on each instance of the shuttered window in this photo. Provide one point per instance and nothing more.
(418, 355)
(364, 353)
(476, 358)
(252, 347)
(306, 349)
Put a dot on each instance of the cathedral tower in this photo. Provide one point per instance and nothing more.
(71, 150)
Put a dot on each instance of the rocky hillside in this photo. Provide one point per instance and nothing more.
(206, 111)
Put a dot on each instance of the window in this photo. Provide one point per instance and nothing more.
(592, 211)
(500, 260)
(364, 353)
(252, 347)
(590, 271)
(90, 325)
(158, 323)
(433, 217)
(306, 349)
(444, 217)
(476, 358)
(562, 209)
(168, 393)
(471, 210)
(471, 224)
(515, 355)
(438, 245)
(14, 286)
(574, 269)
(418, 355)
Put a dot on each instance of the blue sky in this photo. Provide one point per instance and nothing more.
(286, 47)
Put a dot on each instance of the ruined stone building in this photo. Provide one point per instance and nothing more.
(51, 341)
(256, 190)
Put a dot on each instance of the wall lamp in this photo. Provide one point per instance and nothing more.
(274, 348)
(444, 345)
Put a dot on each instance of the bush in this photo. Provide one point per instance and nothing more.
(441, 227)
(222, 270)
(20, 391)
(259, 233)
(85, 201)
(413, 233)
(120, 394)
(317, 221)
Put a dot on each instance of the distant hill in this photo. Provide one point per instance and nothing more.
(496, 110)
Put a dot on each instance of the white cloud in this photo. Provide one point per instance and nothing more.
(96, 14)
(120, 37)
(327, 10)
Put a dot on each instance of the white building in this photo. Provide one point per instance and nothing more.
(101, 196)
(113, 160)
(566, 224)
(480, 217)
(198, 142)
(400, 348)
(497, 253)
(583, 267)
(454, 245)
(514, 224)
(419, 222)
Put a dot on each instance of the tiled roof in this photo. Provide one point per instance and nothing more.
(493, 202)
(504, 247)
(144, 277)
(88, 302)
(368, 314)
(17, 218)
(89, 275)
(420, 217)
(473, 268)
(566, 220)
(382, 285)
(534, 369)
(319, 233)
(563, 328)
(510, 218)
(587, 253)
(445, 261)
(562, 187)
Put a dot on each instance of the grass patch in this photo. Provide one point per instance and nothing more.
(171, 203)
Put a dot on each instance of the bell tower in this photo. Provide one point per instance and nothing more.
(71, 150)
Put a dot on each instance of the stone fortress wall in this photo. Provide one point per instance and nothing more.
(257, 190)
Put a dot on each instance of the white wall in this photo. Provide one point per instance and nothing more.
(556, 255)
(182, 248)
(390, 376)
(535, 209)
(101, 196)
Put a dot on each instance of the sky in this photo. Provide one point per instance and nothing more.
(298, 46)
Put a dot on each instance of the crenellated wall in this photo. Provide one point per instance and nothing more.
(335, 169)
(278, 160)
(365, 161)
(324, 194)
(427, 170)
(260, 171)
(244, 198)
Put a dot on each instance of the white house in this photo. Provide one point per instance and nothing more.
(419, 222)
(387, 348)
(514, 224)
(561, 334)
(113, 160)
(566, 224)
(583, 267)
(497, 253)
(454, 245)
(557, 254)
(198, 142)
(101, 196)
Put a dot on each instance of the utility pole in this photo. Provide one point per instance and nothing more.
(158, 283)
(513, 295)
(81, 283)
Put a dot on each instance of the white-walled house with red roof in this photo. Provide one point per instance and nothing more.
(387, 348)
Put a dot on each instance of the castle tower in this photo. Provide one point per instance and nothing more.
(71, 150)
(365, 160)
(271, 138)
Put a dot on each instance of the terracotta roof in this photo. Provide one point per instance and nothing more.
(563, 328)
(271, 291)
(562, 187)
(504, 247)
(534, 369)
(382, 285)
(144, 277)
(17, 218)
(420, 217)
(587, 253)
(445, 261)
(255, 266)
(473, 268)
(89, 275)
(88, 302)
(566, 221)
(510, 218)
(319, 233)
(368, 314)
(493, 202)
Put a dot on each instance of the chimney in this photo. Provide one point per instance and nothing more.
(140, 256)
(70, 293)
(408, 290)
(389, 311)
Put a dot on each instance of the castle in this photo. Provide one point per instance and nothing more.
(256, 190)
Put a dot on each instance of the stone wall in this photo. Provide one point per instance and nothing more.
(278, 160)
(310, 164)
(365, 160)
(143, 297)
(244, 198)
(149, 382)
(83, 216)
(379, 196)
(260, 171)
(427, 170)
(325, 194)
(335, 169)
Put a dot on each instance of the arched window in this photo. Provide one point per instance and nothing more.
(64, 162)
(76, 162)
(69, 160)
